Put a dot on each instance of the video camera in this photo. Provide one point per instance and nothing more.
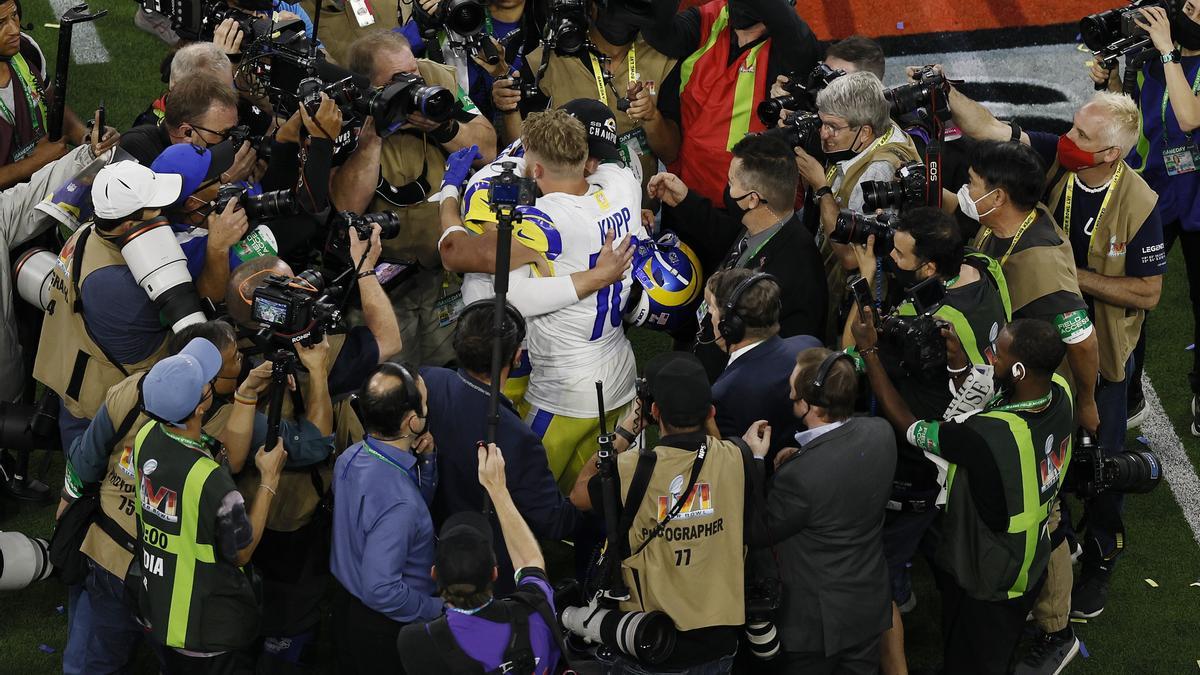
(196, 20)
(852, 227)
(264, 206)
(297, 310)
(907, 189)
(801, 94)
(1091, 473)
(1114, 33)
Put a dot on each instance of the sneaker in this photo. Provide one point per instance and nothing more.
(1076, 550)
(1090, 593)
(1050, 654)
(908, 605)
(1137, 413)
(157, 25)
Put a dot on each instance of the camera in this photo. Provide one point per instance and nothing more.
(345, 221)
(296, 310)
(800, 130)
(801, 93)
(930, 90)
(854, 228)
(763, 597)
(648, 637)
(196, 20)
(528, 90)
(566, 29)
(1115, 32)
(23, 560)
(906, 189)
(259, 143)
(507, 190)
(159, 266)
(32, 273)
(1091, 473)
(465, 17)
(918, 339)
(263, 206)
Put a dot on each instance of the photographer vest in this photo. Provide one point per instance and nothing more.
(717, 99)
(340, 28)
(1131, 202)
(567, 78)
(893, 147)
(411, 168)
(1032, 451)
(68, 360)
(693, 571)
(1036, 271)
(191, 599)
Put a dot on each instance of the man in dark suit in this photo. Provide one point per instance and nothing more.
(758, 230)
(458, 408)
(754, 384)
(824, 515)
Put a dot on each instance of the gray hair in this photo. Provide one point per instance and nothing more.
(858, 98)
(1122, 120)
(199, 57)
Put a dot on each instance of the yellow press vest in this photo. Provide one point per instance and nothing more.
(693, 571)
(406, 157)
(339, 29)
(1117, 328)
(567, 78)
(68, 360)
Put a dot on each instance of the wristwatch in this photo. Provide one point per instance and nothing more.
(821, 192)
(1173, 55)
(625, 434)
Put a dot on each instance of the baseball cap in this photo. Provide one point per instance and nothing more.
(196, 165)
(600, 124)
(680, 388)
(464, 551)
(124, 187)
(173, 387)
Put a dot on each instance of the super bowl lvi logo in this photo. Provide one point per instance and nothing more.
(697, 503)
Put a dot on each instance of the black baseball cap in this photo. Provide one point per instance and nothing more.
(600, 124)
(680, 388)
(464, 552)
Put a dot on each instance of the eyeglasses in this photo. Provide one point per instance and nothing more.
(835, 129)
(219, 134)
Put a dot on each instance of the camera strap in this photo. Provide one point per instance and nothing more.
(411, 194)
(647, 460)
(77, 307)
(697, 465)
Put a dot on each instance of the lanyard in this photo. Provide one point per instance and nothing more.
(1017, 237)
(1025, 405)
(1166, 96)
(1103, 205)
(602, 80)
(184, 440)
(416, 479)
(8, 114)
(878, 142)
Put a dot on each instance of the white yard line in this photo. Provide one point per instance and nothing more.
(85, 41)
(1176, 466)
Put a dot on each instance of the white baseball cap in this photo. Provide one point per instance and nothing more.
(122, 188)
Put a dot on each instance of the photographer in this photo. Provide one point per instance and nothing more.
(1008, 460)
(197, 57)
(620, 70)
(861, 143)
(24, 146)
(396, 174)
(734, 49)
(465, 571)
(383, 536)
(195, 531)
(971, 295)
(671, 564)
(758, 230)
(101, 325)
(854, 54)
(752, 385)
(458, 401)
(822, 523)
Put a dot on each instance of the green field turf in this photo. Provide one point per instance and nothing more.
(1144, 630)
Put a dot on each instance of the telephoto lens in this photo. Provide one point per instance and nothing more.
(160, 268)
(1132, 472)
(906, 189)
(465, 17)
(648, 637)
(763, 639)
(268, 205)
(23, 560)
(32, 273)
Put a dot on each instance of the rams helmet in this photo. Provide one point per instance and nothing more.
(669, 283)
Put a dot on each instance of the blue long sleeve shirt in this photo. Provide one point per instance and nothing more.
(383, 537)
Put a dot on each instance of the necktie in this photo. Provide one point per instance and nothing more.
(735, 254)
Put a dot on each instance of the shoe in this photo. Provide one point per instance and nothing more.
(157, 25)
(908, 605)
(1137, 413)
(1051, 654)
(1090, 594)
(1076, 551)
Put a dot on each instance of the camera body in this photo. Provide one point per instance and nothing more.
(852, 227)
(508, 190)
(801, 130)
(295, 312)
(907, 189)
(566, 31)
(464, 17)
(1091, 473)
(346, 221)
(259, 143)
(196, 20)
(918, 339)
(528, 90)
(931, 91)
(801, 94)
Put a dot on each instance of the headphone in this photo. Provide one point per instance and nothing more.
(412, 396)
(517, 328)
(818, 396)
(732, 325)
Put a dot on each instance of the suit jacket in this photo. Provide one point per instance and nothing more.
(755, 387)
(825, 509)
(791, 256)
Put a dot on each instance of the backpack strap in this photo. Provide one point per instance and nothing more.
(453, 655)
(637, 491)
(518, 655)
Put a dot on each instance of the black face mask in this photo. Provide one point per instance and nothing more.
(1186, 31)
(905, 278)
(616, 32)
(731, 204)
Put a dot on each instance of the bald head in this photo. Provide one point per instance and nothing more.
(248, 276)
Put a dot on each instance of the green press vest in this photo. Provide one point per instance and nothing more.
(1032, 452)
(192, 599)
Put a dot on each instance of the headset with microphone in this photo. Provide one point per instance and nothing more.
(817, 396)
(732, 326)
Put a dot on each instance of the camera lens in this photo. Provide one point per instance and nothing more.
(768, 110)
(275, 204)
(1136, 472)
(465, 17)
(882, 194)
(436, 103)
(854, 228)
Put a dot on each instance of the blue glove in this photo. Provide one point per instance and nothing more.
(458, 167)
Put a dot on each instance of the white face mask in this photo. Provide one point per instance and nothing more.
(970, 207)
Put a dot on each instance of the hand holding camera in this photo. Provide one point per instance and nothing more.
(257, 381)
(243, 164)
(505, 95)
(229, 36)
(367, 251)
(497, 69)
(326, 123)
(1157, 24)
(643, 104)
(227, 226)
(956, 359)
(811, 170)
(863, 329)
(315, 357)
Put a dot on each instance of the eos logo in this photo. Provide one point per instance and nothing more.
(933, 171)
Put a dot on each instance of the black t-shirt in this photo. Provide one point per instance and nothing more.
(145, 143)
